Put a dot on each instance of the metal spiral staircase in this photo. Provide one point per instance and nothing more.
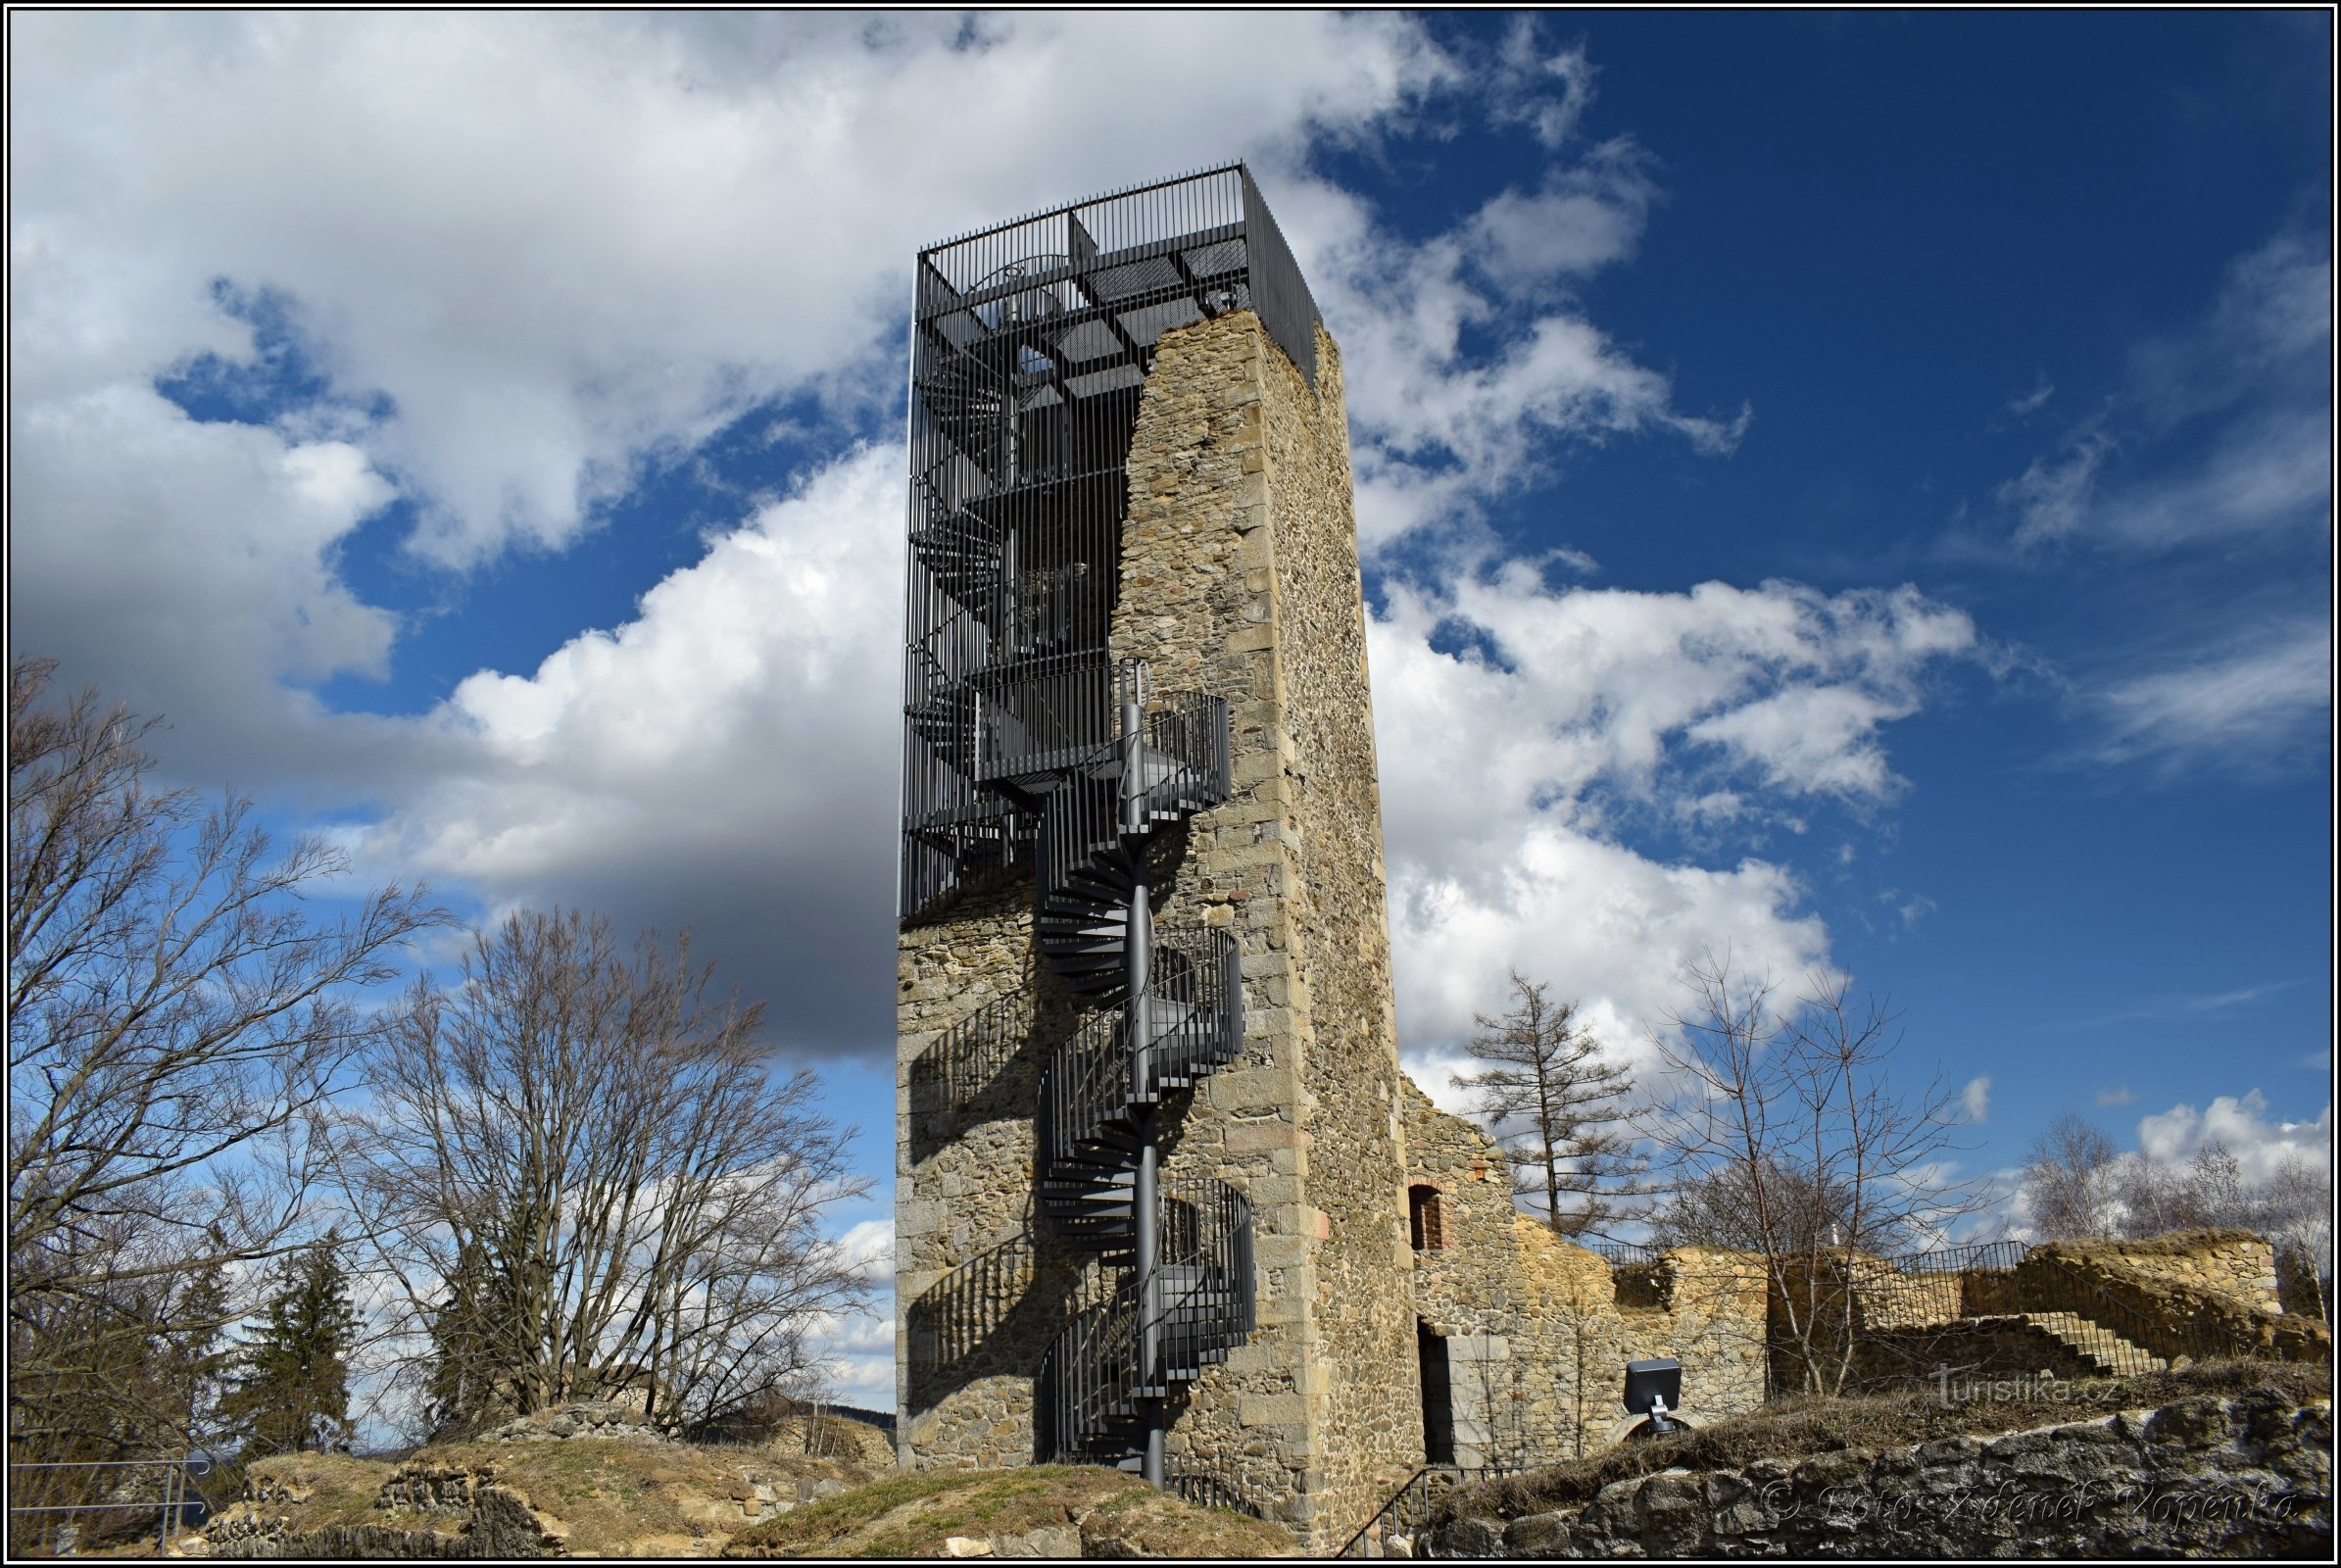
(1171, 1012)
(1027, 742)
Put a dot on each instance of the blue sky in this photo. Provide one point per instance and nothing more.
(1854, 488)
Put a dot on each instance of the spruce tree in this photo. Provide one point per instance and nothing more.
(291, 1393)
(1554, 1105)
(474, 1347)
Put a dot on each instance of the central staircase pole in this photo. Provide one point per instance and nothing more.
(1147, 1195)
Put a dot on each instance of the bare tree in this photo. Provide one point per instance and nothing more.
(1556, 1106)
(2071, 1177)
(1720, 1209)
(1785, 1118)
(2296, 1207)
(177, 1018)
(585, 1180)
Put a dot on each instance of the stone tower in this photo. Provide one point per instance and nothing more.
(1152, 1182)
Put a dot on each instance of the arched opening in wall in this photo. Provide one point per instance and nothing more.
(1439, 1400)
(1423, 1222)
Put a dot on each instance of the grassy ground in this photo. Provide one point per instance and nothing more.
(912, 1516)
(1802, 1427)
(326, 1488)
(613, 1497)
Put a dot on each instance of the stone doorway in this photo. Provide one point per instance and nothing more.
(1438, 1401)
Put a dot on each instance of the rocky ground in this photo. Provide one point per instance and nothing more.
(2247, 1473)
(582, 1491)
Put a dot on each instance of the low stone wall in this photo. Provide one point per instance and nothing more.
(2169, 1313)
(2249, 1476)
(581, 1418)
(2235, 1264)
(432, 1511)
(2190, 1293)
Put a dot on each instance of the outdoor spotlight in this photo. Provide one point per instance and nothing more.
(1652, 1388)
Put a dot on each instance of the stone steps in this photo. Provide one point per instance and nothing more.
(2097, 1344)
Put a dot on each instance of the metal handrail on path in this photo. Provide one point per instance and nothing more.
(1409, 1507)
(178, 1474)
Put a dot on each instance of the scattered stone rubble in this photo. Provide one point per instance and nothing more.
(2249, 1476)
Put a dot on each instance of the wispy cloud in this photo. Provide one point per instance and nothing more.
(2220, 431)
(2178, 1008)
(2123, 1095)
(2240, 706)
(2033, 401)
(1975, 1099)
(2051, 499)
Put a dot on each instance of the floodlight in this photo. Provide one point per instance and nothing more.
(1653, 1388)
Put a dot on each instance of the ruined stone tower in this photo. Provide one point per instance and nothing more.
(1151, 1188)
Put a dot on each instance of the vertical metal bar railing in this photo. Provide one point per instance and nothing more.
(1030, 342)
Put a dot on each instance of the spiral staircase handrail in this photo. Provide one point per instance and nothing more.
(1031, 727)
(1098, 828)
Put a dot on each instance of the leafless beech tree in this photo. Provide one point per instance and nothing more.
(2078, 1183)
(1556, 1106)
(177, 1019)
(579, 1170)
(2070, 1178)
(2297, 1210)
(1784, 1120)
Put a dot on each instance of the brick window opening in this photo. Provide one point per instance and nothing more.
(1423, 1218)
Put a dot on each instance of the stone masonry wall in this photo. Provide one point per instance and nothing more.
(2236, 1264)
(1470, 1289)
(981, 1290)
(2248, 1477)
(1538, 1330)
(2181, 1294)
(1239, 578)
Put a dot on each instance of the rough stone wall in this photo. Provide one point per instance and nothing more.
(1239, 578)
(2249, 1477)
(1472, 1289)
(1538, 1330)
(579, 1418)
(428, 1510)
(2172, 1311)
(1999, 1346)
(981, 1291)
(1711, 1309)
(2172, 1294)
(2235, 1264)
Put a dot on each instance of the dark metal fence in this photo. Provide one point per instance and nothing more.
(1622, 1255)
(1031, 341)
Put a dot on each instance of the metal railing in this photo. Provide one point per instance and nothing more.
(179, 1478)
(1137, 1346)
(1412, 1507)
(1622, 1255)
(1031, 342)
(1193, 1025)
